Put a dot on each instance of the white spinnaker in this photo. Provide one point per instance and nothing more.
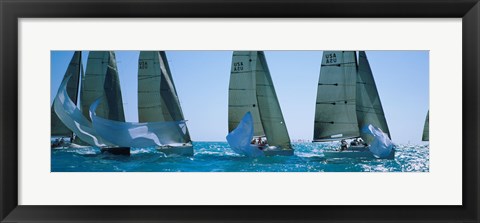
(73, 71)
(240, 137)
(242, 91)
(137, 134)
(72, 117)
(270, 112)
(381, 145)
(369, 106)
(335, 112)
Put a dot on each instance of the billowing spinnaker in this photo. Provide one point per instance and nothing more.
(157, 97)
(335, 112)
(369, 106)
(381, 146)
(269, 107)
(73, 71)
(73, 118)
(135, 134)
(426, 127)
(242, 91)
(101, 79)
(240, 137)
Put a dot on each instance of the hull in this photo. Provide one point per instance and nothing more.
(125, 151)
(180, 150)
(277, 152)
(355, 152)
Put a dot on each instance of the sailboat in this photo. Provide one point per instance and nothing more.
(158, 100)
(100, 81)
(426, 127)
(58, 130)
(348, 107)
(255, 122)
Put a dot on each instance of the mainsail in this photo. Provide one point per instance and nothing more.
(73, 71)
(157, 97)
(426, 127)
(101, 79)
(251, 90)
(335, 113)
(369, 106)
(242, 91)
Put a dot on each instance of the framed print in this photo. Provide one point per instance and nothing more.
(204, 111)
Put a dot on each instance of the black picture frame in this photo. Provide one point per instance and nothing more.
(12, 10)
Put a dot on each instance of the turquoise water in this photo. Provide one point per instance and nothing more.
(218, 157)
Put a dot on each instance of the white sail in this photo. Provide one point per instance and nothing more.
(426, 127)
(242, 91)
(72, 117)
(381, 145)
(157, 97)
(101, 79)
(270, 112)
(239, 138)
(137, 134)
(73, 70)
(335, 112)
(369, 107)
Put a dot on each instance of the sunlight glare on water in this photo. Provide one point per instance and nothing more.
(218, 157)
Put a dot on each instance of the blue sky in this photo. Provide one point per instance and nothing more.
(202, 78)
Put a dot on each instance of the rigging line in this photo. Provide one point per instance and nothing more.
(337, 64)
(337, 84)
(340, 102)
(336, 123)
(147, 77)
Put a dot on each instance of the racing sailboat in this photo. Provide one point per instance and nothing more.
(348, 107)
(255, 122)
(158, 100)
(58, 130)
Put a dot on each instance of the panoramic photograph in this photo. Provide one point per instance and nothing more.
(239, 111)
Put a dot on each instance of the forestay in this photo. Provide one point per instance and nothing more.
(335, 112)
(368, 104)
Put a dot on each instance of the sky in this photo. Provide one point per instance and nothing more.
(202, 78)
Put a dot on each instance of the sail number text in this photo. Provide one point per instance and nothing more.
(142, 64)
(238, 66)
(330, 58)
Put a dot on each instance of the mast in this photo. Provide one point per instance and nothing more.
(57, 126)
(269, 107)
(242, 90)
(101, 79)
(369, 107)
(426, 127)
(157, 97)
(335, 112)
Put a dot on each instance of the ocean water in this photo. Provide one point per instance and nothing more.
(218, 157)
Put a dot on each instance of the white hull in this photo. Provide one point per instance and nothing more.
(180, 150)
(357, 152)
(274, 151)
